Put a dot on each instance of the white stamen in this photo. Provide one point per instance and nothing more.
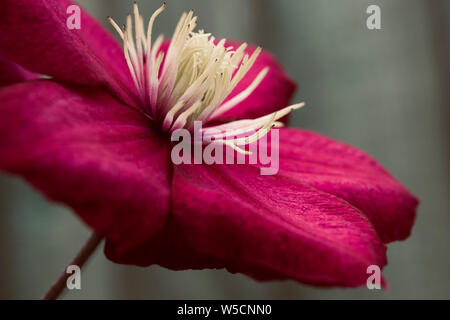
(250, 130)
(241, 96)
(197, 75)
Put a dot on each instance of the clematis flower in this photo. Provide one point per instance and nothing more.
(95, 135)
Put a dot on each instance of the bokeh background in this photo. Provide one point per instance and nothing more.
(384, 91)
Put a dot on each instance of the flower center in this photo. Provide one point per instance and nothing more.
(197, 75)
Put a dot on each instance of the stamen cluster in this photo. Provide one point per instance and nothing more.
(192, 79)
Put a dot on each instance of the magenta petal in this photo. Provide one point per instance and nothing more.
(352, 175)
(11, 72)
(83, 148)
(273, 227)
(267, 227)
(35, 35)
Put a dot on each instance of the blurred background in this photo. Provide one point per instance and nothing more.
(385, 91)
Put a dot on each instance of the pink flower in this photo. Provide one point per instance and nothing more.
(94, 136)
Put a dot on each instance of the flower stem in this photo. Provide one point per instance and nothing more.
(83, 255)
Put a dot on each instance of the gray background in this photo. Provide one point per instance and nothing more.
(386, 92)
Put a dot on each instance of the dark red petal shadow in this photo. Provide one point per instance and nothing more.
(83, 148)
(35, 35)
(352, 175)
(267, 227)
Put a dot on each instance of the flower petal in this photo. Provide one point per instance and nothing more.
(11, 73)
(267, 227)
(35, 35)
(81, 147)
(273, 93)
(350, 174)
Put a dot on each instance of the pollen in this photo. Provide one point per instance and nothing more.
(191, 80)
